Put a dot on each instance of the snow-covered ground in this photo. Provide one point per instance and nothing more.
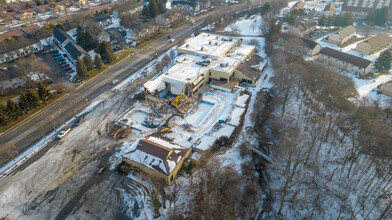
(247, 26)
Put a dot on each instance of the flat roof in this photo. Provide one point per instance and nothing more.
(211, 45)
(186, 69)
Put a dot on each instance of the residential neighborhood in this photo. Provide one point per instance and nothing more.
(195, 109)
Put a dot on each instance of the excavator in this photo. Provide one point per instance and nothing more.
(175, 103)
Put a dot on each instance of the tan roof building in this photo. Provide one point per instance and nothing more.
(329, 10)
(374, 44)
(342, 36)
(158, 157)
(298, 5)
(386, 88)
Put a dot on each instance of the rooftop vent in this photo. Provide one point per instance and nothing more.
(216, 44)
(210, 42)
(224, 64)
(202, 48)
(187, 45)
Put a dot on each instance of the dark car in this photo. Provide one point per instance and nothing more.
(169, 36)
(61, 60)
(67, 68)
(56, 54)
(54, 51)
(80, 120)
(65, 65)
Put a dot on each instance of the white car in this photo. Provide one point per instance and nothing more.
(172, 40)
(63, 132)
(114, 81)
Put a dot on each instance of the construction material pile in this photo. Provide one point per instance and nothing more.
(119, 131)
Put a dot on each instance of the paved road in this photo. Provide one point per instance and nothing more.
(32, 130)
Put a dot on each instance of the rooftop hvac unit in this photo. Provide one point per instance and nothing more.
(187, 45)
(202, 48)
(216, 44)
(224, 64)
(210, 42)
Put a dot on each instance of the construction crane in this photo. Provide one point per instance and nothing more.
(175, 103)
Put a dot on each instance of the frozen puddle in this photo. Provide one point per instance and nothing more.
(203, 109)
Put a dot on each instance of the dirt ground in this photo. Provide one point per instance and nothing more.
(64, 182)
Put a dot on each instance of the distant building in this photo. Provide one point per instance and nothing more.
(131, 8)
(374, 44)
(18, 47)
(167, 4)
(345, 61)
(329, 10)
(386, 88)
(361, 8)
(342, 36)
(312, 48)
(158, 157)
(304, 28)
(104, 20)
(299, 5)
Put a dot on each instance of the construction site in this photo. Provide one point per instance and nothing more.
(191, 105)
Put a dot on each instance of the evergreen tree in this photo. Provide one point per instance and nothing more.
(32, 98)
(146, 11)
(12, 110)
(98, 61)
(43, 92)
(154, 10)
(378, 17)
(3, 115)
(266, 7)
(89, 62)
(81, 67)
(161, 6)
(80, 35)
(383, 62)
(321, 21)
(106, 52)
(37, 3)
(24, 104)
(89, 40)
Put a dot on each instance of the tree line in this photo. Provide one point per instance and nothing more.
(27, 101)
(104, 55)
(339, 20)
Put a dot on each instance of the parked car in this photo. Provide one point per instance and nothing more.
(80, 120)
(61, 60)
(72, 71)
(169, 36)
(65, 65)
(67, 68)
(114, 81)
(172, 40)
(59, 57)
(63, 132)
(54, 51)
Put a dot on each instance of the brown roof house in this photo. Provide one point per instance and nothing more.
(304, 28)
(311, 48)
(157, 157)
(345, 61)
(329, 10)
(15, 47)
(386, 88)
(298, 5)
(374, 44)
(342, 36)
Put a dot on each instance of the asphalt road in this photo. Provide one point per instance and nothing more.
(32, 130)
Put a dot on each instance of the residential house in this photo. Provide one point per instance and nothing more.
(26, 14)
(386, 88)
(10, 34)
(298, 5)
(304, 28)
(104, 20)
(131, 8)
(14, 7)
(74, 51)
(374, 44)
(329, 10)
(103, 36)
(31, 29)
(61, 38)
(80, 3)
(68, 45)
(18, 47)
(311, 48)
(342, 36)
(158, 158)
(345, 61)
(42, 8)
(195, 6)
(169, 17)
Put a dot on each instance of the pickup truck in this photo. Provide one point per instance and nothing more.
(63, 132)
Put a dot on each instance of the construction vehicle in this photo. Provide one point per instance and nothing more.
(175, 103)
(100, 169)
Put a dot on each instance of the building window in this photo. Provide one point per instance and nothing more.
(210, 73)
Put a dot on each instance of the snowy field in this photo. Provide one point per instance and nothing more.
(247, 26)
